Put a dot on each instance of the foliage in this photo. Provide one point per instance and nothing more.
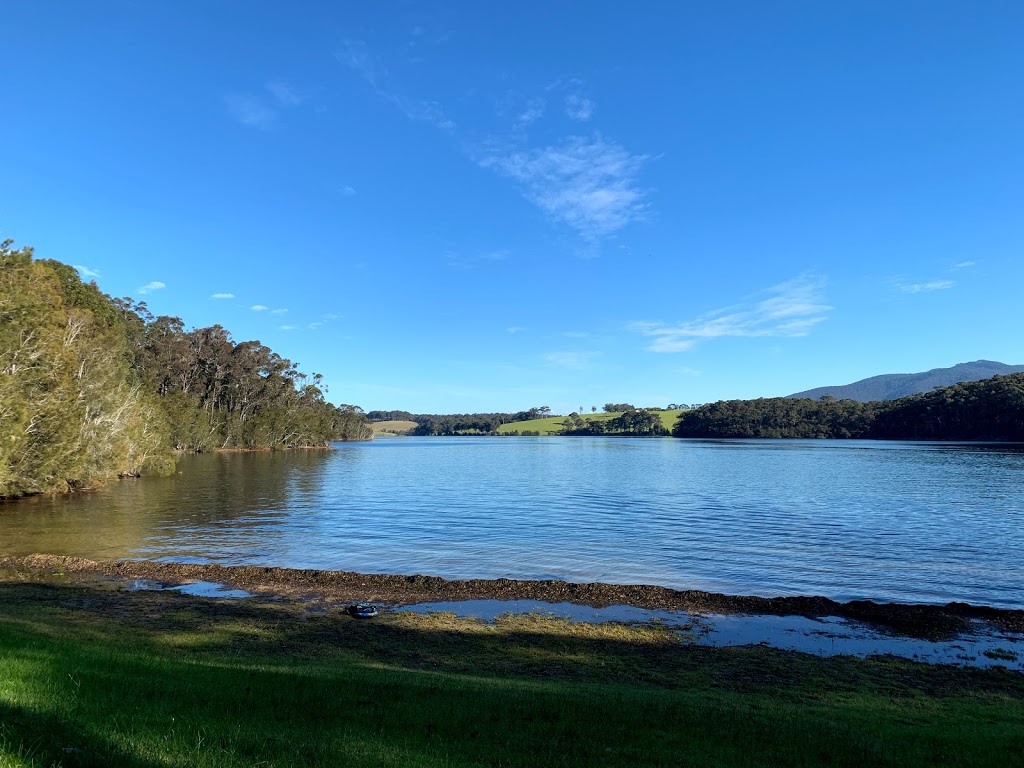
(776, 417)
(610, 424)
(635, 421)
(471, 423)
(390, 416)
(227, 394)
(992, 409)
(92, 387)
(73, 412)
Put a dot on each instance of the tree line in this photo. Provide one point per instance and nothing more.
(632, 421)
(432, 424)
(991, 409)
(92, 388)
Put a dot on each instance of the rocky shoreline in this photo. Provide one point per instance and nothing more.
(911, 620)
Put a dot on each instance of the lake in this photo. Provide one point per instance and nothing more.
(908, 522)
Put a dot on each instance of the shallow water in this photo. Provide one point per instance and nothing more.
(908, 522)
(195, 588)
(826, 636)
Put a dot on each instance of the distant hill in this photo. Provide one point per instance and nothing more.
(891, 386)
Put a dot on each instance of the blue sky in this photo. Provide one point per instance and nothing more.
(457, 207)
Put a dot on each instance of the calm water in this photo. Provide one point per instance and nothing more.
(858, 519)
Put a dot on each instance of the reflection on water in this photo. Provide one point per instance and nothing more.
(194, 588)
(848, 520)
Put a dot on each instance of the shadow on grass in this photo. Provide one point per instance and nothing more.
(165, 679)
(48, 739)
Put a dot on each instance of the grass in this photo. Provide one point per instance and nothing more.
(100, 678)
(553, 425)
(392, 427)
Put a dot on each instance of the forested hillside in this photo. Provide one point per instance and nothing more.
(892, 386)
(92, 387)
(992, 409)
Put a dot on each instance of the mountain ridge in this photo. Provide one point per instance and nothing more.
(890, 386)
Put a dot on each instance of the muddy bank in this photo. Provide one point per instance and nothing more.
(923, 621)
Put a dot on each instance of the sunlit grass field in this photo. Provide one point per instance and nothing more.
(392, 427)
(553, 425)
(94, 677)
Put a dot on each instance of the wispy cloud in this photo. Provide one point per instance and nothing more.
(155, 285)
(792, 308)
(588, 183)
(222, 296)
(250, 111)
(964, 265)
(356, 56)
(261, 110)
(934, 285)
(347, 190)
(86, 272)
(534, 110)
(287, 327)
(579, 107)
(572, 360)
(284, 94)
(314, 326)
(515, 329)
(278, 311)
(258, 308)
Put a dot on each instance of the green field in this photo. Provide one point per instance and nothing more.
(90, 676)
(553, 425)
(392, 427)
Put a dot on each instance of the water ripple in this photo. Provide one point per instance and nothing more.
(886, 521)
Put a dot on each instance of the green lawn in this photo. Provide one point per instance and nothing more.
(93, 677)
(553, 425)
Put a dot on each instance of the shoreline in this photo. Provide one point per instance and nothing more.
(916, 620)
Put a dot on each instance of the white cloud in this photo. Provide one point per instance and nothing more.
(515, 329)
(222, 296)
(288, 327)
(258, 308)
(964, 265)
(934, 285)
(278, 311)
(534, 110)
(156, 285)
(671, 344)
(579, 107)
(789, 309)
(314, 326)
(573, 360)
(86, 272)
(347, 190)
(589, 184)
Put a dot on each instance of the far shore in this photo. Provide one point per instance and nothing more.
(912, 620)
